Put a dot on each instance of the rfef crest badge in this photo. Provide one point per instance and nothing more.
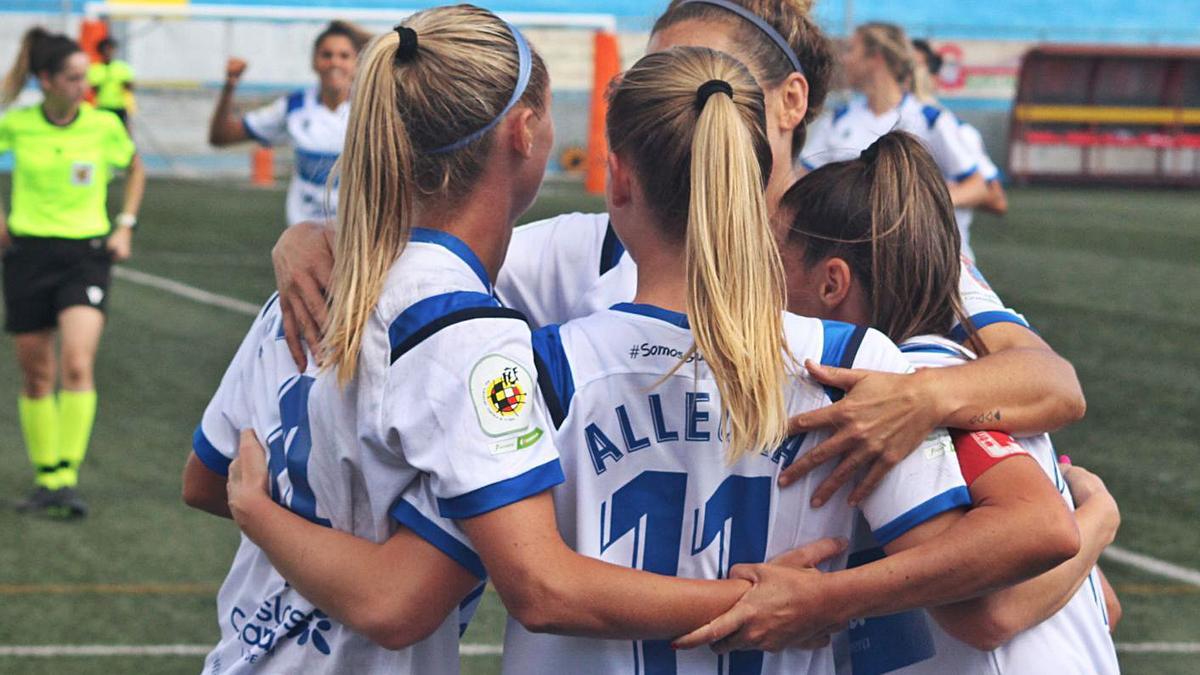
(500, 390)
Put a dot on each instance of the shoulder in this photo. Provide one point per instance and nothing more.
(15, 117)
(295, 101)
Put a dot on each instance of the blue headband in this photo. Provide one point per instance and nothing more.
(524, 69)
(760, 24)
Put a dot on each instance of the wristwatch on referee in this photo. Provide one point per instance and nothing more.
(127, 220)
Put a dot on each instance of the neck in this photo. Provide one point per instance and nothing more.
(883, 94)
(783, 175)
(661, 271)
(332, 98)
(479, 221)
(59, 113)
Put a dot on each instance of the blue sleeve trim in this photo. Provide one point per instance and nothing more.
(407, 515)
(427, 317)
(966, 174)
(956, 497)
(931, 113)
(295, 101)
(842, 341)
(840, 112)
(554, 373)
(208, 454)
(959, 334)
(509, 491)
(249, 129)
(807, 164)
(611, 251)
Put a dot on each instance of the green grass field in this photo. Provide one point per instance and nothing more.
(1110, 278)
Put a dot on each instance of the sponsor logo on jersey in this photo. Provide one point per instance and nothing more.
(82, 174)
(937, 444)
(997, 445)
(499, 389)
(273, 623)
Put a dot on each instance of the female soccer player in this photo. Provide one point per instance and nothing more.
(893, 266)
(570, 266)
(58, 252)
(672, 424)
(425, 374)
(926, 65)
(312, 120)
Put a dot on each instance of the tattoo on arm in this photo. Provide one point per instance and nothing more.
(985, 418)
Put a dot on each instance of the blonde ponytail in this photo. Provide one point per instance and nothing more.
(735, 280)
(453, 79)
(698, 108)
(375, 210)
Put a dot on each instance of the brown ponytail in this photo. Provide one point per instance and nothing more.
(41, 53)
(888, 215)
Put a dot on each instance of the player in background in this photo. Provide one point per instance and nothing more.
(112, 81)
(925, 69)
(59, 247)
(425, 376)
(569, 266)
(671, 410)
(312, 120)
(879, 64)
(893, 267)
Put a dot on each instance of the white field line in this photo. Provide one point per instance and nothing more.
(185, 291)
(1154, 566)
(51, 651)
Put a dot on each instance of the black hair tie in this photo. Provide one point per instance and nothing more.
(407, 49)
(712, 87)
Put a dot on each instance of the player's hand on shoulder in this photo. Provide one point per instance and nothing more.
(883, 418)
(303, 261)
(246, 484)
(120, 243)
(234, 69)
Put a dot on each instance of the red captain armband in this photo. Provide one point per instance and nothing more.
(979, 451)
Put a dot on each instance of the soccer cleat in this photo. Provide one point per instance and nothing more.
(67, 505)
(39, 500)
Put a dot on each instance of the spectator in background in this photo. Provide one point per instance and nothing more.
(924, 86)
(112, 81)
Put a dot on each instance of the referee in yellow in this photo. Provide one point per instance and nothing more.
(58, 252)
(112, 80)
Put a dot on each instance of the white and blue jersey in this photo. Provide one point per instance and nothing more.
(1075, 641)
(853, 127)
(445, 389)
(316, 135)
(573, 265)
(648, 485)
(973, 141)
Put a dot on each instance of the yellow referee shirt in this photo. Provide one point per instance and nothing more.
(61, 174)
(109, 80)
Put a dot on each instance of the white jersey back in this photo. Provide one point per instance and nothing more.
(648, 485)
(574, 265)
(973, 141)
(853, 127)
(445, 389)
(316, 135)
(1075, 641)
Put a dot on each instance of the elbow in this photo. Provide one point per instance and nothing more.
(1060, 541)
(392, 628)
(982, 623)
(988, 633)
(537, 605)
(193, 497)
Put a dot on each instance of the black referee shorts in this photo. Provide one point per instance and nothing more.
(43, 276)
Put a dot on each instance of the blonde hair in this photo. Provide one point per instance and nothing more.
(462, 73)
(41, 53)
(791, 19)
(659, 123)
(890, 42)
